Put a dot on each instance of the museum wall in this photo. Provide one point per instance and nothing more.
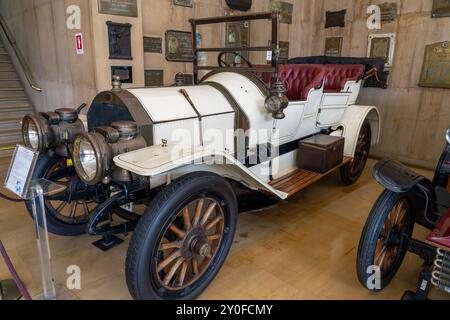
(39, 27)
(414, 118)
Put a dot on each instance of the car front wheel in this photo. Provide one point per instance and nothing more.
(183, 239)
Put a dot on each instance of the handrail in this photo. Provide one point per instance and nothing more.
(24, 65)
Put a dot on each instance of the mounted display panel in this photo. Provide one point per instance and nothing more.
(441, 8)
(119, 36)
(152, 45)
(436, 66)
(183, 3)
(154, 78)
(335, 19)
(124, 72)
(126, 8)
(389, 11)
(284, 8)
(382, 46)
(179, 46)
(333, 46)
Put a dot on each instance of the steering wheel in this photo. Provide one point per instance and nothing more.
(223, 63)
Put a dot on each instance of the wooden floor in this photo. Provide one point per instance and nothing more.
(303, 249)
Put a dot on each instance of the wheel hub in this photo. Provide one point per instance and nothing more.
(196, 244)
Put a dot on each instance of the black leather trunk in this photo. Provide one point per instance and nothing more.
(321, 153)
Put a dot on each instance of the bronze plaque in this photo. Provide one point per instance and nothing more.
(179, 46)
(127, 8)
(154, 78)
(124, 72)
(380, 48)
(188, 79)
(389, 11)
(441, 8)
(284, 52)
(119, 35)
(237, 35)
(183, 3)
(333, 46)
(152, 45)
(335, 19)
(284, 8)
(436, 66)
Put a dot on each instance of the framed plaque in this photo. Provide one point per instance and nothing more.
(333, 46)
(284, 52)
(21, 170)
(441, 8)
(127, 8)
(389, 11)
(152, 45)
(179, 46)
(237, 35)
(124, 72)
(119, 36)
(183, 3)
(382, 46)
(335, 19)
(284, 8)
(436, 66)
(154, 78)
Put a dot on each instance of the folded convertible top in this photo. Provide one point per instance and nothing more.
(369, 63)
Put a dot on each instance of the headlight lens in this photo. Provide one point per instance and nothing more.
(33, 136)
(32, 133)
(85, 159)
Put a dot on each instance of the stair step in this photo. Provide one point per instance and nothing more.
(300, 179)
(10, 123)
(10, 84)
(7, 67)
(8, 75)
(4, 57)
(5, 155)
(11, 138)
(12, 94)
(12, 89)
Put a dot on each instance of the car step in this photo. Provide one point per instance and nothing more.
(441, 274)
(300, 179)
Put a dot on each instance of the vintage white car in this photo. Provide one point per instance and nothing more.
(198, 155)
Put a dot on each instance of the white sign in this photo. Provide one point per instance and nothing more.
(79, 43)
(21, 170)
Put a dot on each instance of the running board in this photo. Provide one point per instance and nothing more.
(300, 179)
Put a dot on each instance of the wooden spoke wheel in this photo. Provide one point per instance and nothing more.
(183, 238)
(382, 243)
(184, 258)
(67, 212)
(351, 172)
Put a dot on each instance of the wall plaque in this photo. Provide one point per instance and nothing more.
(124, 72)
(441, 8)
(284, 52)
(183, 3)
(237, 35)
(127, 8)
(188, 79)
(152, 45)
(382, 46)
(284, 8)
(436, 66)
(389, 11)
(179, 46)
(335, 19)
(333, 46)
(154, 78)
(119, 35)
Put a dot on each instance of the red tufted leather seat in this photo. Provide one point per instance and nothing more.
(300, 79)
(337, 75)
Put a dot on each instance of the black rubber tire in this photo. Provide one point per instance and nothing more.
(54, 225)
(140, 279)
(371, 233)
(347, 177)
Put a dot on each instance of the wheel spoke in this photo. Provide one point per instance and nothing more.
(168, 260)
(73, 212)
(61, 206)
(186, 219)
(182, 275)
(213, 223)
(180, 233)
(214, 237)
(170, 245)
(195, 266)
(198, 212)
(173, 270)
(208, 213)
(85, 209)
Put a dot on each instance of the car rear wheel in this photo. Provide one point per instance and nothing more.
(67, 213)
(382, 246)
(182, 240)
(351, 172)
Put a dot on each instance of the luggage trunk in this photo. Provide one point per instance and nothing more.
(321, 153)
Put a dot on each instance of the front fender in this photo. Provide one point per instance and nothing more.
(159, 163)
(396, 177)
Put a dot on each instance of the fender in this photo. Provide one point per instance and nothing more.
(352, 122)
(163, 163)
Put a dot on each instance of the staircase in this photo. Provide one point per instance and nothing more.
(14, 105)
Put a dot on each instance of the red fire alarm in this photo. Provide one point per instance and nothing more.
(79, 43)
